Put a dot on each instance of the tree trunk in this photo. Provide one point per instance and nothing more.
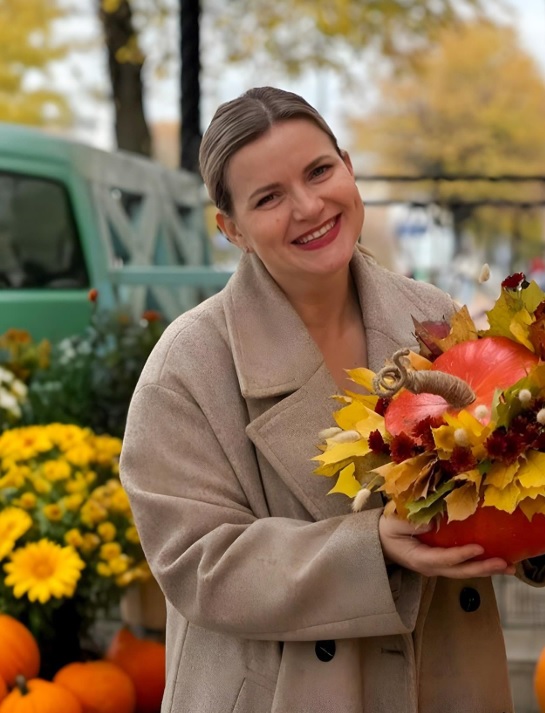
(125, 62)
(190, 94)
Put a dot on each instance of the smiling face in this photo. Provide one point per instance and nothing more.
(295, 203)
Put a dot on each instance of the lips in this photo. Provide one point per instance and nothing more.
(317, 233)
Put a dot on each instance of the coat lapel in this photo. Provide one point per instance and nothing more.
(283, 377)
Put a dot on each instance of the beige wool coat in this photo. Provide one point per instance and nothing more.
(278, 597)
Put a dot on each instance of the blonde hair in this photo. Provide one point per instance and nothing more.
(239, 122)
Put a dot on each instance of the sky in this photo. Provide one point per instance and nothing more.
(321, 89)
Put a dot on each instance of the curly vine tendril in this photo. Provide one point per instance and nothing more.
(399, 375)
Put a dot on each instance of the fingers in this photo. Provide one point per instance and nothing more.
(401, 546)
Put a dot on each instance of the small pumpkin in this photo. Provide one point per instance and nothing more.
(144, 661)
(539, 681)
(19, 652)
(99, 686)
(3, 689)
(39, 696)
(485, 365)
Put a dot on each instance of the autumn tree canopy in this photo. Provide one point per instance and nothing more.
(27, 42)
(296, 34)
(474, 105)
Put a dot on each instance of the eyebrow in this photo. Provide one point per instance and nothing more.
(272, 186)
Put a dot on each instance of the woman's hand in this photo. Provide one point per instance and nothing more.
(400, 545)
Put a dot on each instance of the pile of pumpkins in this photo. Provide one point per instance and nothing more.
(130, 678)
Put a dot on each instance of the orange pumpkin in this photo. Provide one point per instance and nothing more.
(539, 681)
(100, 686)
(39, 696)
(3, 689)
(144, 661)
(485, 364)
(19, 652)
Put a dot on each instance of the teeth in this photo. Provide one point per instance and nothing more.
(317, 233)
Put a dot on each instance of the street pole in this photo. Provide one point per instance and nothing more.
(190, 91)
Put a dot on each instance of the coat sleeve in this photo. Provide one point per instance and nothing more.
(223, 568)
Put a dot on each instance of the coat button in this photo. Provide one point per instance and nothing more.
(325, 650)
(470, 599)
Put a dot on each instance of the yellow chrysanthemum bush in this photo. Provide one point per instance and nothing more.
(454, 435)
(66, 529)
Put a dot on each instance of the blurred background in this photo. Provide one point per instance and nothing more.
(427, 90)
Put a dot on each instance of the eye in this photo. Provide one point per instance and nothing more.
(265, 199)
(319, 170)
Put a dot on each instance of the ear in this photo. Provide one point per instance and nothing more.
(347, 161)
(229, 228)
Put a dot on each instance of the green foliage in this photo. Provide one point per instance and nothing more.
(90, 377)
(28, 43)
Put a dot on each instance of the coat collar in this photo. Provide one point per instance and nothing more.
(273, 352)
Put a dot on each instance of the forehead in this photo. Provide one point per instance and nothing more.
(287, 147)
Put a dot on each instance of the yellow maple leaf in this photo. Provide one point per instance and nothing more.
(462, 502)
(462, 329)
(418, 362)
(474, 476)
(503, 499)
(519, 328)
(531, 473)
(372, 422)
(501, 475)
(347, 417)
(532, 506)
(401, 477)
(339, 452)
(363, 377)
(346, 483)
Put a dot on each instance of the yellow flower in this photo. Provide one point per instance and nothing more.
(26, 501)
(80, 455)
(72, 502)
(14, 522)
(103, 569)
(107, 448)
(74, 538)
(131, 533)
(92, 513)
(107, 531)
(25, 443)
(41, 485)
(53, 512)
(120, 564)
(56, 470)
(42, 570)
(77, 483)
(90, 542)
(110, 551)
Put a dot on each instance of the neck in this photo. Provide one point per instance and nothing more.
(326, 306)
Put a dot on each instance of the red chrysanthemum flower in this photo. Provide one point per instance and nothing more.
(505, 446)
(422, 431)
(513, 282)
(381, 406)
(402, 447)
(377, 443)
(462, 459)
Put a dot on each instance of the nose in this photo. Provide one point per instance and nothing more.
(306, 203)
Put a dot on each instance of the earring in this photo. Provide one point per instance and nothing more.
(246, 249)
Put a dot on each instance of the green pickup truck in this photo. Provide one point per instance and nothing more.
(73, 218)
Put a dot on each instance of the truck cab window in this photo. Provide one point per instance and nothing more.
(39, 244)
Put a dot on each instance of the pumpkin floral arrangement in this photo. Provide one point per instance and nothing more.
(67, 533)
(455, 435)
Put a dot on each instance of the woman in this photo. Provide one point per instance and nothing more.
(279, 600)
